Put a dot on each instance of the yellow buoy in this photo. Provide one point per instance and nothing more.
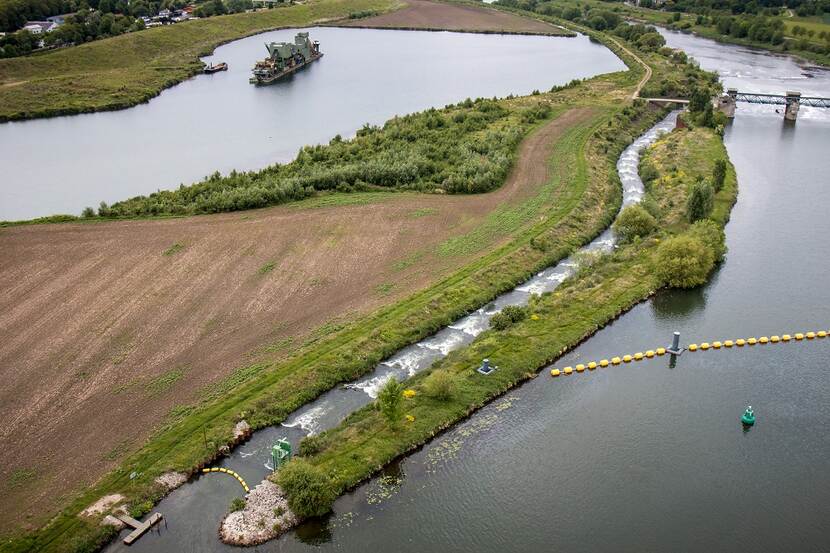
(752, 341)
(580, 368)
(810, 335)
(626, 359)
(728, 344)
(716, 345)
(692, 347)
(603, 363)
(568, 370)
(821, 334)
(763, 340)
(704, 346)
(554, 372)
(638, 356)
(774, 339)
(615, 361)
(786, 338)
(799, 336)
(661, 351)
(592, 365)
(740, 342)
(650, 353)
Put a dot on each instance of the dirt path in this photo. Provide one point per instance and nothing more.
(104, 328)
(423, 14)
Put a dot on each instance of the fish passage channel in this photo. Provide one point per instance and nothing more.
(194, 511)
(650, 456)
(221, 122)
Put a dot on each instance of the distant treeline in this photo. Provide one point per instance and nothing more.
(464, 148)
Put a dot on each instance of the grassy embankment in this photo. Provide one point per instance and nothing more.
(688, 22)
(123, 71)
(603, 289)
(267, 392)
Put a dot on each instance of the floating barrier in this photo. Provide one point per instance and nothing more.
(232, 473)
(703, 346)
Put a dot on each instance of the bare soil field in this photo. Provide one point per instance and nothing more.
(106, 327)
(423, 14)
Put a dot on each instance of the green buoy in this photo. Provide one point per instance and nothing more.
(748, 418)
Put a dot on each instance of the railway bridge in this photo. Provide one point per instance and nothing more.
(791, 101)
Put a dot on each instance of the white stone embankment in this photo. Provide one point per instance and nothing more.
(266, 515)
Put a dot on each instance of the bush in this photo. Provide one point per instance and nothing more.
(88, 213)
(389, 401)
(440, 385)
(700, 201)
(632, 222)
(308, 490)
(684, 262)
(508, 316)
(237, 504)
(719, 174)
(311, 444)
(712, 236)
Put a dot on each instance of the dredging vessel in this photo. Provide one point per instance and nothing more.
(285, 58)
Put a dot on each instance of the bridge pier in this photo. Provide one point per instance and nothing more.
(727, 102)
(793, 104)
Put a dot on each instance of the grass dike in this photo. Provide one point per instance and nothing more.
(604, 288)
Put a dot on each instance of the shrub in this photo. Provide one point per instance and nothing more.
(311, 444)
(440, 385)
(632, 222)
(389, 401)
(719, 174)
(308, 490)
(88, 213)
(700, 201)
(684, 262)
(508, 316)
(712, 236)
(648, 172)
(237, 504)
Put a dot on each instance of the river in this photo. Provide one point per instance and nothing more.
(221, 122)
(649, 456)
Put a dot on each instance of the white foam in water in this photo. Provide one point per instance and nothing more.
(406, 360)
(308, 421)
(444, 344)
(371, 386)
(473, 324)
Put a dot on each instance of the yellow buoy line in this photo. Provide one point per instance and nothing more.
(703, 346)
(232, 473)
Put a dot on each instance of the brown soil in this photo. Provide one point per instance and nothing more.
(105, 327)
(423, 14)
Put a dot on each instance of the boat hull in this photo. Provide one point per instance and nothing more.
(257, 80)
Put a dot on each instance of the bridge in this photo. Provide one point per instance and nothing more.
(791, 100)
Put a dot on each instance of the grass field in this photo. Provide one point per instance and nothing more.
(122, 71)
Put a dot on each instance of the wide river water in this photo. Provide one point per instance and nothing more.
(221, 122)
(642, 457)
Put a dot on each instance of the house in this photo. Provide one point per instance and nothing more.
(59, 19)
(39, 27)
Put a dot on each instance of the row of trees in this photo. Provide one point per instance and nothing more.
(15, 13)
(84, 26)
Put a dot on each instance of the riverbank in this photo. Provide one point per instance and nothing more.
(602, 290)
(126, 70)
